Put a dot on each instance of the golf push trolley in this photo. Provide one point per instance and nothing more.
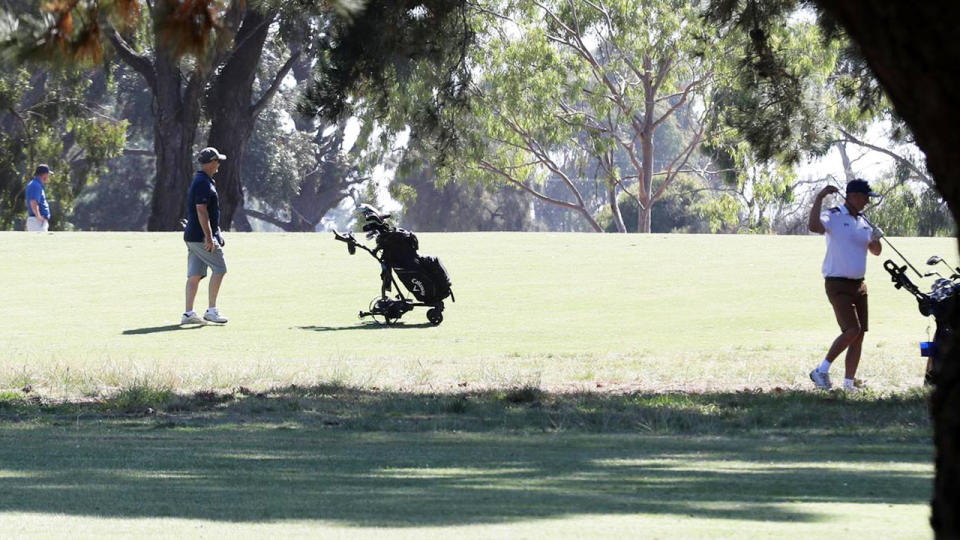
(938, 303)
(396, 251)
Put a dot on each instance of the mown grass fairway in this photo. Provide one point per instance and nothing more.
(581, 386)
(85, 312)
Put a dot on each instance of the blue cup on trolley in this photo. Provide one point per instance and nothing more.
(928, 349)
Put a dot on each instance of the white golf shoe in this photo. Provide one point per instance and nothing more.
(191, 317)
(857, 386)
(213, 315)
(821, 380)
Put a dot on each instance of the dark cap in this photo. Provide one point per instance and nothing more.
(860, 186)
(42, 169)
(209, 154)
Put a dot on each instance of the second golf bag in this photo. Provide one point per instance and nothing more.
(396, 250)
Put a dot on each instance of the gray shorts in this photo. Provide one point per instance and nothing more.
(198, 259)
(34, 225)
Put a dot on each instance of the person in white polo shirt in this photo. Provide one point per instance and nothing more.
(849, 236)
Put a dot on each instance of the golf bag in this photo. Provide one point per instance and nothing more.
(396, 250)
(937, 303)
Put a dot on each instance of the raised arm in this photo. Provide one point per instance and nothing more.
(813, 223)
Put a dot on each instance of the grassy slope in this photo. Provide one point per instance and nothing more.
(85, 312)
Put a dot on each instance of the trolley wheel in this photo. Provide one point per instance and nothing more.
(376, 312)
(435, 316)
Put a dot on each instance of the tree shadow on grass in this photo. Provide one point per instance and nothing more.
(395, 459)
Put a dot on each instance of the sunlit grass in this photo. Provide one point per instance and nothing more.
(86, 314)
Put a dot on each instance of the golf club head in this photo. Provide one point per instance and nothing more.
(935, 259)
(368, 210)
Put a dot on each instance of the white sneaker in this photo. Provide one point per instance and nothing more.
(213, 315)
(856, 387)
(191, 317)
(821, 380)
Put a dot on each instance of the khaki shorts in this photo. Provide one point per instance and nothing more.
(199, 259)
(849, 300)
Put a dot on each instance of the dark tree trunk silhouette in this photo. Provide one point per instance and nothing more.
(913, 50)
(176, 114)
(233, 112)
(176, 110)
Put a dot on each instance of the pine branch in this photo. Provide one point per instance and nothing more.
(140, 64)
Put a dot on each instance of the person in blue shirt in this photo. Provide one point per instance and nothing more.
(38, 211)
(203, 238)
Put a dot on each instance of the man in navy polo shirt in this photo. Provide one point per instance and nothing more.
(203, 238)
(849, 237)
(38, 211)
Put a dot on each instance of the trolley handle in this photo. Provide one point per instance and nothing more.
(348, 239)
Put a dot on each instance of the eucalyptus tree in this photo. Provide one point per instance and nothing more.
(201, 57)
(176, 47)
(226, 39)
(155, 47)
(575, 85)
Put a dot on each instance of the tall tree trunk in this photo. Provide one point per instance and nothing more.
(646, 152)
(845, 159)
(232, 111)
(615, 208)
(919, 75)
(176, 113)
(230, 137)
(644, 214)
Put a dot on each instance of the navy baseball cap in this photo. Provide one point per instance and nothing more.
(860, 186)
(42, 169)
(209, 154)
